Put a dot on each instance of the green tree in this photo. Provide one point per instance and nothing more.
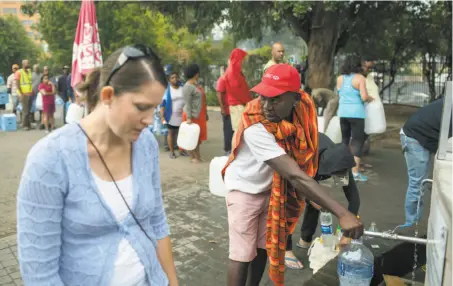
(58, 24)
(409, 31)
(124, 23)
(15, 45)
(254, 63)
(327, 26)
(432, 28)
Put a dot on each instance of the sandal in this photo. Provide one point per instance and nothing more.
(296, 261)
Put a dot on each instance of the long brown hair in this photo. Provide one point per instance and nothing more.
(130, 77)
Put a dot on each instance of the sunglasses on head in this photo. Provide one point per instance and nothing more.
(131, 53)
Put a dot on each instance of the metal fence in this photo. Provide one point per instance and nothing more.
(410, 86)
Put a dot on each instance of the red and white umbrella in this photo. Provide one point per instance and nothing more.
(86, 52)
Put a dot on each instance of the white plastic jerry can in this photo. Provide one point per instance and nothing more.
(321, 124)
(216, 185)
(188, 136)
(334, 130)
(375, 122)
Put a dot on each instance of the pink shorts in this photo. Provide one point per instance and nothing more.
(247, 215)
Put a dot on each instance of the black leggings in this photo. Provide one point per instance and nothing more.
(311, 214)
(227, 133)
(353, 132)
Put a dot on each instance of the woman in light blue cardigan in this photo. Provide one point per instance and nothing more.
(90, 208)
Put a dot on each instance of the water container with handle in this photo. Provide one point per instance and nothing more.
(355, 265)
(188, 136)
(74, 113)
(334, 130)
(375, 122)
(321, 124)
(216, 184)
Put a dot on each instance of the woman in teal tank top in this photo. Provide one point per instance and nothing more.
(351, 110)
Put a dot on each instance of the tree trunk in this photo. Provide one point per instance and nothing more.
(321, 47)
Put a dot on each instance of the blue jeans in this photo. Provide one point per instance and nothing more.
(417, 161)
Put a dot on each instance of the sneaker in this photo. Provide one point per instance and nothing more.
(359, 177)
(172, 155)
(183, 153)
(166, 148)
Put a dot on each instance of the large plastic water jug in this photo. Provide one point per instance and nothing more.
(74, 113)
(321, 124)
(375, 122)
(334, 130)
(371, 87)
(216, 184)
(355, 265)
(188, 136)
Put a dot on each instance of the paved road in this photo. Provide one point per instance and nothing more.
(198, 220)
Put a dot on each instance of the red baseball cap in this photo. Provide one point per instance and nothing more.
(277, 80)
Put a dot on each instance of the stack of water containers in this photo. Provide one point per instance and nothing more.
(8, 122)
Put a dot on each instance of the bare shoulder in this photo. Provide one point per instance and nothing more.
(359, 77)
(339, 81)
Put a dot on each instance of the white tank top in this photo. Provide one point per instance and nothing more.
(129, 269)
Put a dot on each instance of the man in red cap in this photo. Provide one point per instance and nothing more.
(269, 175)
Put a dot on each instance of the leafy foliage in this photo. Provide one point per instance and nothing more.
(254, 63)
(124, 23)
(179, 30)
(407, 31)
(15, 45)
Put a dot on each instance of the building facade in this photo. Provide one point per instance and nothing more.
(14, 8)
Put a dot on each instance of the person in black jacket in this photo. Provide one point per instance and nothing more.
(62, 86)
(419, 140)
(335, 160)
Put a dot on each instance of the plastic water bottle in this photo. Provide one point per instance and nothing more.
(355, 265)
(326, 229)
(372, 228)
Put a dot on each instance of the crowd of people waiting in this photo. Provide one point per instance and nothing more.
(90, 207)
(25, 86)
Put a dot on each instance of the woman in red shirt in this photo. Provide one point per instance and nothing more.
(47, 90)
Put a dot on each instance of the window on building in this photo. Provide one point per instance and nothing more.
(27, 22)
(7, 11)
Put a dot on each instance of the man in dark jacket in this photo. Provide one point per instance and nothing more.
(62, 87)
(419, 140)
(335, 160)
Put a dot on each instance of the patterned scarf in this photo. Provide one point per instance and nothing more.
(299, 139)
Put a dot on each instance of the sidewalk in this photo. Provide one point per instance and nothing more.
(198, 220)
(9, 267)
(199, 226)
